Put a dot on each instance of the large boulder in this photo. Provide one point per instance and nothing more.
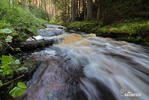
(51, 30)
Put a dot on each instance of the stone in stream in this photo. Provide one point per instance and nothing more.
(50, 32)
(55, 26)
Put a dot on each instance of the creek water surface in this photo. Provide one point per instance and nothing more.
(86, 67)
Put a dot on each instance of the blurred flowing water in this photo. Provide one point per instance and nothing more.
(86, 67)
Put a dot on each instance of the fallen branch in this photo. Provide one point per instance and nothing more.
(29, 45)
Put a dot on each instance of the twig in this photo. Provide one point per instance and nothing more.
(4, 84)
(10, 46)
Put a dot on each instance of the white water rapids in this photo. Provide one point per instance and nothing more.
(90, 68)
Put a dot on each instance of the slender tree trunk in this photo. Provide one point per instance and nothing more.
(74, 9)
(100, 9)
(68, 12)
(89, 9)
(84, 9)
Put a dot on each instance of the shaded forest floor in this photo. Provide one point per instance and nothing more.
(132, 30)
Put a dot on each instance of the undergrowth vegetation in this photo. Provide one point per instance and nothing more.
(126, 27)
(18, 20)
(9, 67)
(16, 24)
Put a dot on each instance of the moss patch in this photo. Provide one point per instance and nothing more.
(125, 27)
(86, 26)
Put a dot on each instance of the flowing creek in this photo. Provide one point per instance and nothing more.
(86, 67)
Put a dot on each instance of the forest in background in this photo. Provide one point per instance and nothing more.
(78, 10)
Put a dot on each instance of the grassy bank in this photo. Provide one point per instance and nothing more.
(136, 30)
(16, 24)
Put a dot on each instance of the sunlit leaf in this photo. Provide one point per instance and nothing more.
(19, 90)
(21, 85)
(7, 31)
(7, 59)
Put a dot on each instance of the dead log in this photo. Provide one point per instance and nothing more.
(31, 45)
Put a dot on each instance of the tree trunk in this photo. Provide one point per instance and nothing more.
(89, 9)
(100, 9)
(74, 10)
(84, 9)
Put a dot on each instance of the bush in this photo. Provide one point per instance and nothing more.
(20, 21)
(19, 18)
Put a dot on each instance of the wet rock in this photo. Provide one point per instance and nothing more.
(55, 26)
(50, 32)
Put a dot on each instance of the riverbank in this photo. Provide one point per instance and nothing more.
(136, 30)
(17, 23)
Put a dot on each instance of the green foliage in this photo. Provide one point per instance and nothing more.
(21, 20)
(19, 90)
(6, 35)
(9, 66)
(4, 24)
(16, 24)
(6, 67)
(86, 26)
